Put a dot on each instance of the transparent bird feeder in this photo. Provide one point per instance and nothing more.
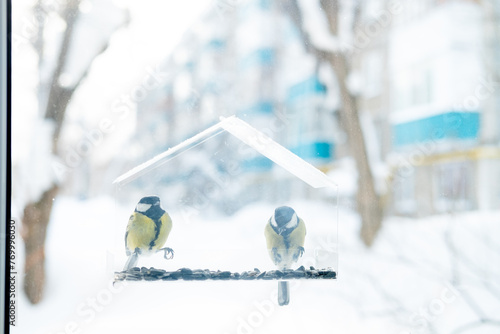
(220, 187)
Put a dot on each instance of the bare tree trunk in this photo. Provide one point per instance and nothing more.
(368, 201)
(35, 221)
(36, 214)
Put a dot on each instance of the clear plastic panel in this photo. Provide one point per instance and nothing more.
(220, 188)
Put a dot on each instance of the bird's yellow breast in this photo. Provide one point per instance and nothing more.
(288, 246)
(141, 233)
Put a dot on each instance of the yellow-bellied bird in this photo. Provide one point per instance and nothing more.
(147, 231)
(285, 233)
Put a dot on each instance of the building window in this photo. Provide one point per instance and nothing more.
(453, 187)
(414, 87)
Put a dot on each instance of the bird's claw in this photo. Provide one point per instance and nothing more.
(168, 253)
(299, 253)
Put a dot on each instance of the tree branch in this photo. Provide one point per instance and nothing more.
(37, 213)
(59, 96)
(332, 10)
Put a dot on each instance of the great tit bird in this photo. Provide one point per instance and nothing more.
(147, 231)
(285, 233)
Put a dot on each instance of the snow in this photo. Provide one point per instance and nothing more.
(316, 25)
(403, 284)
(32, 179)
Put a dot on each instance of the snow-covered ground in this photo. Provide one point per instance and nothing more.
(432, 275)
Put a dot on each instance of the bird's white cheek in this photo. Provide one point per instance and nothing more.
(141, 207)
(293, 222)
(273, 222)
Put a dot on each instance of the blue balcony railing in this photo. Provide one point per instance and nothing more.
(450, 125)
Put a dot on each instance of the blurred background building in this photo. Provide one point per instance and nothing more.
(443, 106)
(426, 83)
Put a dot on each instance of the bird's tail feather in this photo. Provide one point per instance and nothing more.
(283, 293)
(131, 262)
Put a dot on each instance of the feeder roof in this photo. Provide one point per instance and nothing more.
(251, 137)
